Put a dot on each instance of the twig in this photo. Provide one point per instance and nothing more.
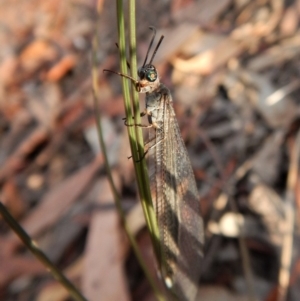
(40, 255)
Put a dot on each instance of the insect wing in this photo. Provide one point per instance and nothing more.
(190, 230)
(176, 202)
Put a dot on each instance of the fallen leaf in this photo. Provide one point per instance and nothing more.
(58, 200)
(209, 60)
(37, 53)
(16, 266)
(60, 69)
(104, 262)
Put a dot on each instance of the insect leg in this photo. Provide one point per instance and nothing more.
(148, 148)
(152, 146)
(145, 112)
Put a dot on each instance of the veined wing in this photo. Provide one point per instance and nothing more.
(176, 202)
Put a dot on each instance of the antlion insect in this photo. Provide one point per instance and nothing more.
(173, 188)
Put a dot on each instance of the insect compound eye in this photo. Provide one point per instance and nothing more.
(151, 75)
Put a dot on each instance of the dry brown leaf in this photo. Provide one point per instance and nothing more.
(218, 293)
(261, 25)
(202, 12)
(104, 253)
(15, 266)
(12, 199)
(268, 158)
(264, 201)
(289, 22)
(209, 60)
(174, 39)
(276, 55)
(43, 103)
(53, 292)
(17, 159)
(37, 53)
(8, 68)
(58, 200)
(135, 219)
(59, 70)
(276, 106)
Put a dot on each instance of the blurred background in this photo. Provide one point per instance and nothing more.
(233, 69)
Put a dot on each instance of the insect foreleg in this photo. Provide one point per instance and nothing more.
(142, 114)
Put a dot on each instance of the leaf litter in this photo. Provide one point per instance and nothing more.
(233, 69)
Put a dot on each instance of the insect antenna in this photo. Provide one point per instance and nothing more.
(121, 74)
(155, 50)
(150, 45)
(149, 48)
